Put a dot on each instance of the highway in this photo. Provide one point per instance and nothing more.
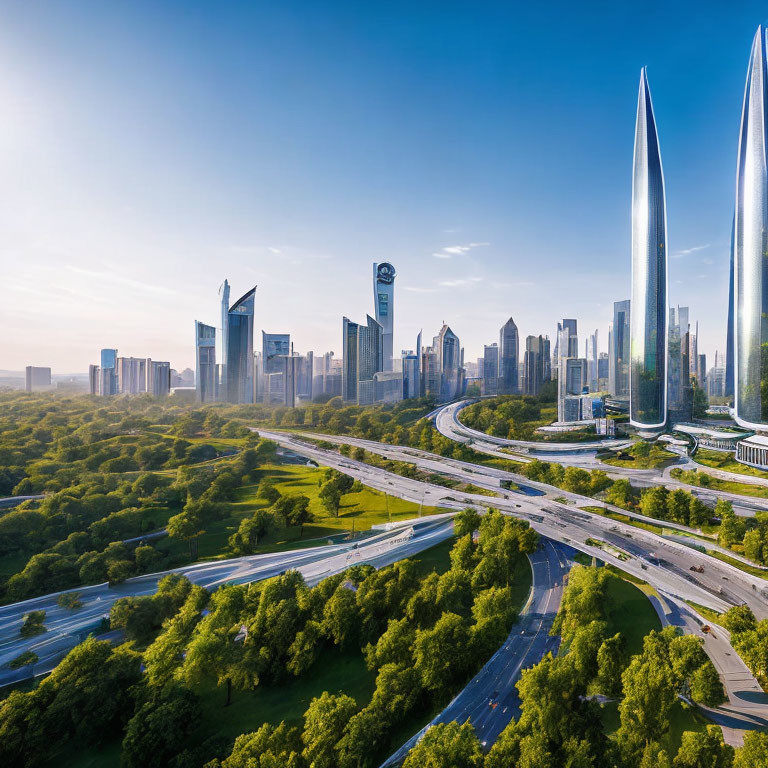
(65, 628)
(490, 700)
(583, 455)
(667, 565)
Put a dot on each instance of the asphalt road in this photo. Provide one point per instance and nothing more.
(65, 628)
(490, 700)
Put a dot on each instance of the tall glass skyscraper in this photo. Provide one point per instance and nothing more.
(618, 350)
(239, 345)
(384, 298)
(729, 377)
(648, 319)
(750, 245)
(108, 373)
(362, 355)
(205, 358)
(509, 344)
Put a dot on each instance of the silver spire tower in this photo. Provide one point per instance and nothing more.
(648, 318)
(750, 246)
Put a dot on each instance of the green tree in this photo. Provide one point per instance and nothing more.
(324, 723)
(704, 749)
(447, 744)
(754, 753)
(466, 522)
(161, 730)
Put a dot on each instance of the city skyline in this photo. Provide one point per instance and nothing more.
(115, 260)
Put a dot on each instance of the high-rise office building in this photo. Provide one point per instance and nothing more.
(384, 300)
(509, 353)
(571, 380)
(273, 345)
(37, 378)
(729, 377)
(158, 377)
(221, 371)
(205, 362)
(679, 393)
(363, 357)
(108, 372)
(491, 370)
(716, 378)
(750, 246)
(94, 379)
(131, 375)
(592, 357)
(602, 372)
(534, 364)
(648, 320)
(618, 350)
(450, 362)
(411, 374)
(239, 345)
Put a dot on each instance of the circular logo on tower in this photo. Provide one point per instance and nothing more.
(385, 273)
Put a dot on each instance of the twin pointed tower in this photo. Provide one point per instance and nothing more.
(648, 318)
(750, 248)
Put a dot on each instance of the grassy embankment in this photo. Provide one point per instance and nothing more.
(725, 461)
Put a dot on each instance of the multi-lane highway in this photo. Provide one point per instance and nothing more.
(66, 628)
(665, 564)
(490, 699)
(583, 455)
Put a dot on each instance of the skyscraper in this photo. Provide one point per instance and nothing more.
(450, 363)
(648, 321)
(750, 246)
(158, 377)
(618, 350)
(384, 300)
(272, 346)
(592, 355)
(37, 378)
(509, 345)
(205, 362)
(239, 346)
(108, 372)
(221, 384)
(728, 383)
(534, 364)
(679, 393)
(363, 357)
(491, 370)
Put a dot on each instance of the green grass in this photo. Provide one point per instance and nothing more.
(713, 617)
(681, 718)
(358, 512)
(334, 671)
(725, 461)
(662, 459)
(754, 570)
(630, 612)
(696, 478)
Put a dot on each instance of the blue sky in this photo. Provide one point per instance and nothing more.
(150, 149)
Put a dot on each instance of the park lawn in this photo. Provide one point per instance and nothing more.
(643, 462)
(359, 511)
(682, 718)
(334, 671)
(716, 484)
(725, 461)
(630, 612)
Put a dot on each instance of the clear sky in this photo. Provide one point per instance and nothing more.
(148, 150)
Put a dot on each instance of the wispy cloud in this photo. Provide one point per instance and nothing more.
(274, 250)
(516, 284)
(688, 251)
(118, 279)
(449, 251)
(417, 289)
(459, 281)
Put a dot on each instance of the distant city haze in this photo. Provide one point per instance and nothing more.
(151, 150)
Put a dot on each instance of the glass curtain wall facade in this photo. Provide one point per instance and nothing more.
(205, 347)
(384, 302)
(239, 371)
(648, 321)
(509, 346)
(750, 248)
